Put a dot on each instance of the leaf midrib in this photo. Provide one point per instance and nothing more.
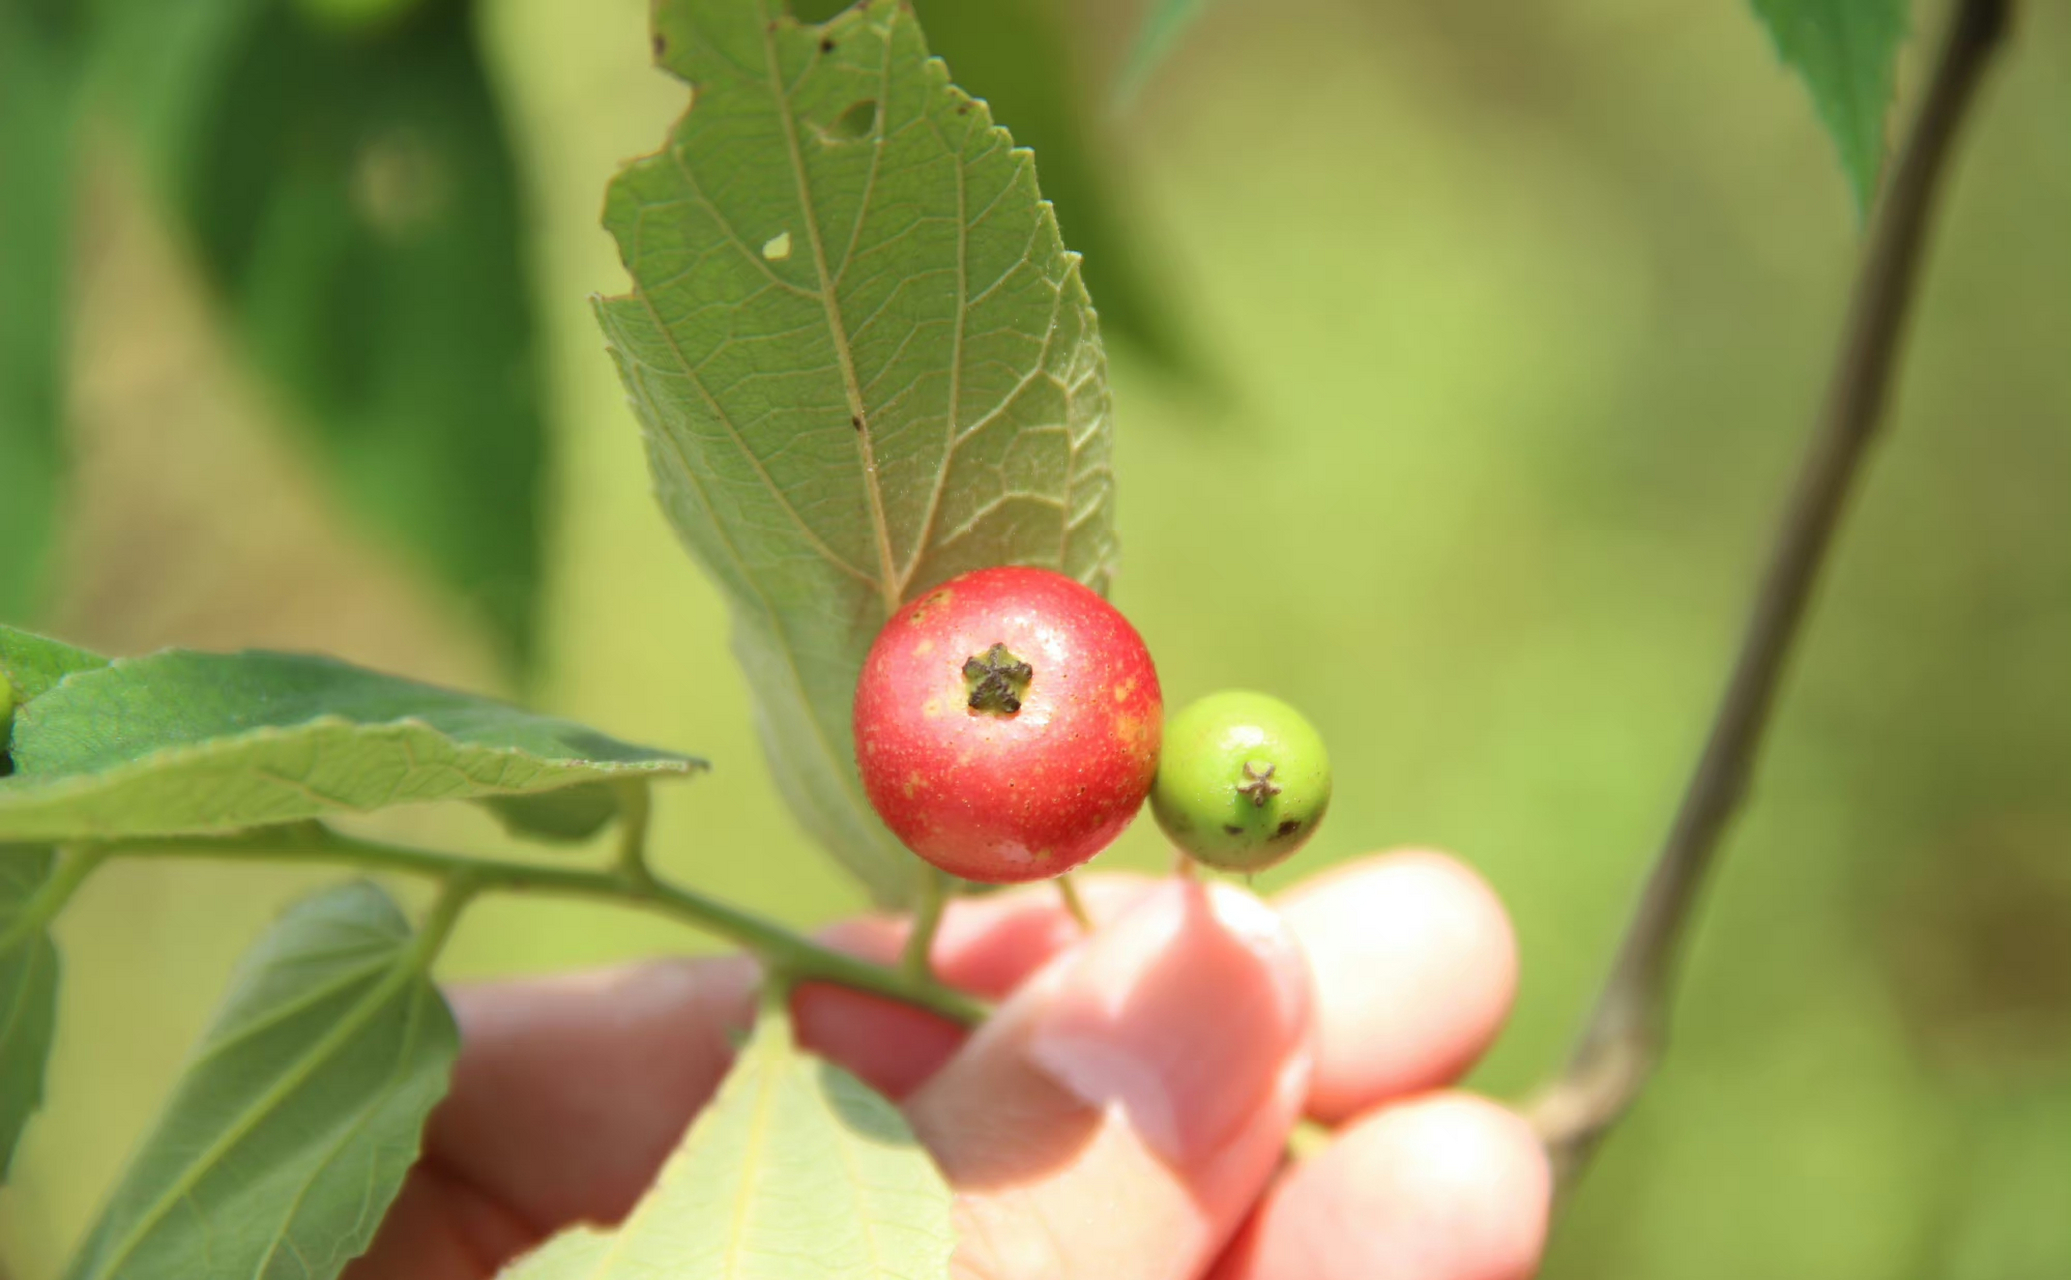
(397, 1075)
(409, 964)
(844, 355)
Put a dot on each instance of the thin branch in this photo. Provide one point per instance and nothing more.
(1625, 1033)
(784, 954)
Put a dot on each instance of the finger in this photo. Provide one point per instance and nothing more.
(1442, 1187)
(987, 946)
(570, 1091)
(1415, 968)
(1119, 1114)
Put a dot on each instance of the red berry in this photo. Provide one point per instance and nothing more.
(1007, 724)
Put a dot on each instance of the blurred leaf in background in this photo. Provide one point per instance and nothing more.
(40, 65)
(344, 177)
(1163, 23)
(1845, 49)
(1018, 57)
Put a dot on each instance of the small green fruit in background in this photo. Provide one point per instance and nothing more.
(6, 709)
(1243, 781)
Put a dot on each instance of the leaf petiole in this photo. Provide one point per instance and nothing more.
(51, 898)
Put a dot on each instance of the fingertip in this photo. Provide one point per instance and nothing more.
(986, 945)
(1445, 1187)
(569, 1091)
(1415, 967)
(1141, 1088)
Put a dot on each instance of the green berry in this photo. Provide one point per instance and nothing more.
(1242, 782)
(6, 709)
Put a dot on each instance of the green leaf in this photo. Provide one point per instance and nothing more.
(864, 360)
(194, 743)
(1163, 23)
(797, 1169)
(352, 197)
(1845, 50)
(299, 1115)
(569, 815)
(33, 663)
(28, 991)
(39, 101)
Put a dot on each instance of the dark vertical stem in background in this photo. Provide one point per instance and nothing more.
(1625, 1032)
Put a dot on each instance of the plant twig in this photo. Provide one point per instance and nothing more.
(782, 952)
(1625, 1033)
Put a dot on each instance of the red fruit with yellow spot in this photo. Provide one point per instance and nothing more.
(1007, 724)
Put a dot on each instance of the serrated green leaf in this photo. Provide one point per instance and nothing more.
(797, 1171)
(1845, 50)
(864, 361)
(193, 743)
(1163, 23)
(352, 197)
(28, 992)
(40, 79)
(301, 1111)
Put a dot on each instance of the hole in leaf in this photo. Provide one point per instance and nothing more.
(854, 124)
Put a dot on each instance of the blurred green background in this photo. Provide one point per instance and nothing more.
(1512, 321)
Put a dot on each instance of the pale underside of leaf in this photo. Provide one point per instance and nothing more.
(293, 1126)
(796, 1170)
(863, 359)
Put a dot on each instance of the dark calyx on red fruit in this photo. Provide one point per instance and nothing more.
(1007, 724)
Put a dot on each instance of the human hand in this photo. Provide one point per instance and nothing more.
(1123, 1115)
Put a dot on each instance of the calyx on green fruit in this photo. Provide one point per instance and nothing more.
(1243, 780)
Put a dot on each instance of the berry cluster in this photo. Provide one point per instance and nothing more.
(1009, 725)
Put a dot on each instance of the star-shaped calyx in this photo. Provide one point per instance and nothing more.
(996, 680)
(1258, 785)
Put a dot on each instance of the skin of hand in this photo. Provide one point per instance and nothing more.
(1123, 1114)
